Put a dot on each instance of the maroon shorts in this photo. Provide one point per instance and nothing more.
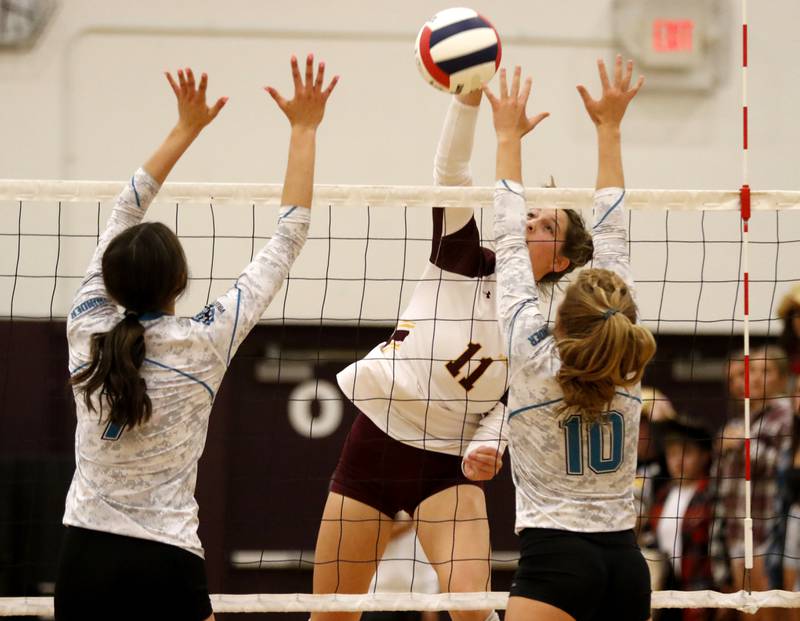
(389, 475)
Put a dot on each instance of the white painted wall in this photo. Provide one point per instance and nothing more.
(90, 102)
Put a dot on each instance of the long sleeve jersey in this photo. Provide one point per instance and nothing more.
(438, 382)
(140, 481)
(568, 474)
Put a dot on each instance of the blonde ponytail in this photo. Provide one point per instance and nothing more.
(600, 344)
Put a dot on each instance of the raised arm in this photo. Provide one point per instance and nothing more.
(455, 242)
(519, 315)
(138, 193)
(232, 316)
(609, 232)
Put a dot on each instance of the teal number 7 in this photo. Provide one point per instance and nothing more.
(602, 457)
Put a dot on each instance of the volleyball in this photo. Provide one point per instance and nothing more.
(458, 50)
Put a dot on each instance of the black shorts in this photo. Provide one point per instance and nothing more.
(591, 576)
(106, 576)
(389, 475)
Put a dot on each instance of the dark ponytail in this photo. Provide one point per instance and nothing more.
(116, 357)
(144, 270)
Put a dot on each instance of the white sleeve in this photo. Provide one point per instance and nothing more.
(521, 321)
(231, 317)
(610, 234)
(492, 431)
(453, 154)
(91, 301)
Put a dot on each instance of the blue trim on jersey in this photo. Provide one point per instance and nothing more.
(613, 207)
(179, 372)
(87, 305)
(625, 394)
(533, 407)
(135, 193)
(503, 181)
(113, 432)
(286, 215)
(514, 319)
(235, 321)
(75, 370)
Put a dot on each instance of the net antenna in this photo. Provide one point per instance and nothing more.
(745, 212)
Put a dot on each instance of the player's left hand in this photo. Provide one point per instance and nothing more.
(482, 464)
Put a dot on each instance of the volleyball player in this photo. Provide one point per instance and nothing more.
(145, 380)
(575, 393)
(431, 394)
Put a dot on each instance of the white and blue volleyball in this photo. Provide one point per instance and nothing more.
(458, 50)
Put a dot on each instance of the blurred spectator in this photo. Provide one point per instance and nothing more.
(789, 312)
(770, 433)
(682, 511)
(651, 466)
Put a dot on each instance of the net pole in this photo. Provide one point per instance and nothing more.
(744, 193)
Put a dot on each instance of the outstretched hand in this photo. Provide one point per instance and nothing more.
(610, 108)
(508, 107)
(307, 107)
(193, 112)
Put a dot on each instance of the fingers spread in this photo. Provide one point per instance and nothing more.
(331, 86)
(217, 107)
(515, 81)
(172, 83)
(320, 77)
(489, 95)
(618, 70)
(626, 78)
(309, 70)
(276, 96)
(190, 79)
(601, 69)
(503, 84)
(298, 84)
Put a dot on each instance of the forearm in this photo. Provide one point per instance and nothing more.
(167, 155)
(454, 150)
(298, 185)
(609, 157)
(509, 159)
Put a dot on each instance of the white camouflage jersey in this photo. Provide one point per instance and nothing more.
(438, 381)
(568, 475)
(140, 481)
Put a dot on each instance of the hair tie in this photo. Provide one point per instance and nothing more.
(131, 314)
(609, 312)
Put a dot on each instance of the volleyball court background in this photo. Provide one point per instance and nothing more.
(76, 113)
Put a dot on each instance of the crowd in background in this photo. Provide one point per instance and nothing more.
(690, 482)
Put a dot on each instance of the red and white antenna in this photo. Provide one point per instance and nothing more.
(744, 194)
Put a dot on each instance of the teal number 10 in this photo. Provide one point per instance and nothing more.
(601, 459)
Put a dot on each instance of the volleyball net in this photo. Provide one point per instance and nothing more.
(366, 252)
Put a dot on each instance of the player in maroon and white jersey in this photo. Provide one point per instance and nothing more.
(431, 397)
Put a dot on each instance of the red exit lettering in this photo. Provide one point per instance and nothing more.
(670, 35)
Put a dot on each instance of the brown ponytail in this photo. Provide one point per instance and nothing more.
(144, 270)
(116, 357)
(600, 344)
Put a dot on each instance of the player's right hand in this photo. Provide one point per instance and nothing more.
(482, 464)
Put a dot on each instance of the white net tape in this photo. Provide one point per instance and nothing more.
(390, 196)
(304, 602)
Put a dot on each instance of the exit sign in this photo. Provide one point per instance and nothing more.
(672, 35)
(680, 45)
